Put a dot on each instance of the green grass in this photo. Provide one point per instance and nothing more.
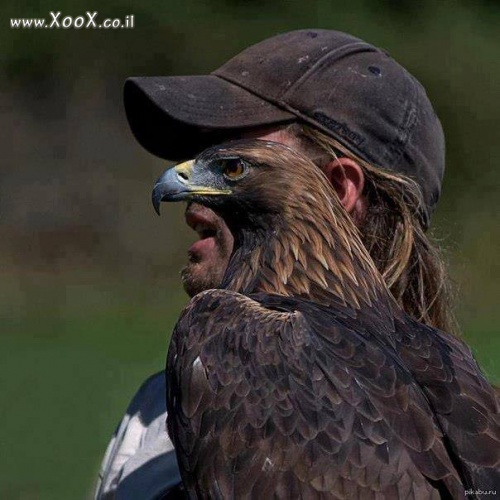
(71, 360)
(67, 380)
(485, 344)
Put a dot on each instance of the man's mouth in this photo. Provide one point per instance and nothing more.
(206, 228)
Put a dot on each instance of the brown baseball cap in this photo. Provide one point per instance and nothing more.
(343, 86)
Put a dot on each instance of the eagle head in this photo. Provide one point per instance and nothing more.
(250, 183)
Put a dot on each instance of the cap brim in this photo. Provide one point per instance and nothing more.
(177, 117)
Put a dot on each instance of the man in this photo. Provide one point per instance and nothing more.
(363, 119)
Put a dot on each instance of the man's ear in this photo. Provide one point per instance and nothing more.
(348, 179)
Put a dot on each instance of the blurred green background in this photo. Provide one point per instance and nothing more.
(89, 286)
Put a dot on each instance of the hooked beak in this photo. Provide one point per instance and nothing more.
(175, 185)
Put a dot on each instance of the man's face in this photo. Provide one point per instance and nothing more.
(209, 256)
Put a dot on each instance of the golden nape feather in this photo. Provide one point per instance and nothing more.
(300, 377)
(313, 244)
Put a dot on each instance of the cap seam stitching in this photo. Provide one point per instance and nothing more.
(405, 129)
(343, 51)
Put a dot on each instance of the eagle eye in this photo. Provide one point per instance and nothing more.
(233, 168)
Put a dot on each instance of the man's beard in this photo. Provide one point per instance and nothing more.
(199, 276)
(194, 281)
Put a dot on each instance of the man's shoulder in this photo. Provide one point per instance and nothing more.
(149, 401)
(140, 455)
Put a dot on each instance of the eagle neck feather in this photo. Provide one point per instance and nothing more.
(308, 253)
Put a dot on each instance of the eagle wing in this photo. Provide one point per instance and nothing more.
(276, 397)
(464, 402)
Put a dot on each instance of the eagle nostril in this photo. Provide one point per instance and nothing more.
(183, 176)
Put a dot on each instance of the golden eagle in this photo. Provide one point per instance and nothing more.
(301, 377)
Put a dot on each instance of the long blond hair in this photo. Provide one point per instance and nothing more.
(393, 232)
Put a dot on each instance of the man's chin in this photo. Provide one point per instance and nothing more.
(197, 277)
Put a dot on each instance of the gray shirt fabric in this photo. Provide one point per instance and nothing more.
(140, 460)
